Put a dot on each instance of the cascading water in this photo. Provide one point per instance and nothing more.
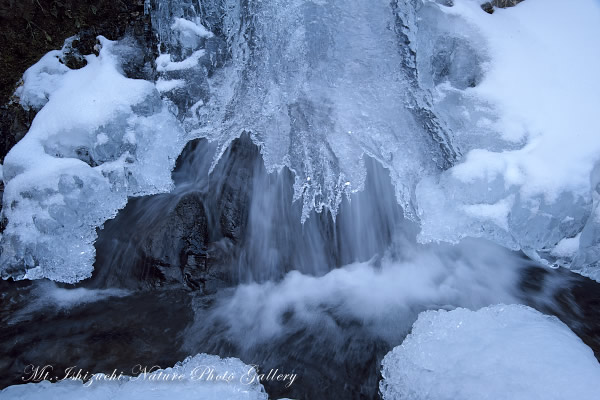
(272, 292)
(289, 236)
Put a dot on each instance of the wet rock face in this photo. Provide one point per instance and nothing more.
(186, 238)
(233, 193)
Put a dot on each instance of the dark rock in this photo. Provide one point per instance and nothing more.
(186, 238)
(489, 6)
(233, 181)
(14, 124)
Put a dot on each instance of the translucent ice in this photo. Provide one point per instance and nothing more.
(319, 84)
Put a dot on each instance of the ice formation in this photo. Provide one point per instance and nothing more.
(99, 138)
(507, 352)
(485, 122)
(525, 124)
(203, 377)
(318, 85)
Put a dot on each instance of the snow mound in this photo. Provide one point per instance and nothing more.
(99, 139)
(160, 384)
(520, 96)
(500, 352)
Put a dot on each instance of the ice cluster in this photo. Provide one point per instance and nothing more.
(502, 352)
(203, 377)
(98, 139)
(319, 85)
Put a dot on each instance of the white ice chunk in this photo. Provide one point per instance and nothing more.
(234, 383)
(40, 80)
(567, 247)
(166, 85)
(497, 212)
(502, 352)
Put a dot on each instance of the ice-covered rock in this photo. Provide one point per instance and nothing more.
(519, 95)
(318, 85)
(500, 352)
(203, 377)
(99, 139)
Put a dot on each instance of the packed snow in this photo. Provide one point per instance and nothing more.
(502, 352)
(99, 139)
(203, 377)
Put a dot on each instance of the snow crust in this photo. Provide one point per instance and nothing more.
(236, 384)
(98, 140)
(509, 352)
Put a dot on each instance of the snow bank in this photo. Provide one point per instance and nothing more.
(526, 123)
(99, 139)
(189, 379)
(499, 352)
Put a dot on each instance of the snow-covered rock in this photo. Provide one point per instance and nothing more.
(99, 138)
(525, 122)
(509, 352)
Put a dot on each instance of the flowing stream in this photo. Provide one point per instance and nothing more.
(287, 240)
